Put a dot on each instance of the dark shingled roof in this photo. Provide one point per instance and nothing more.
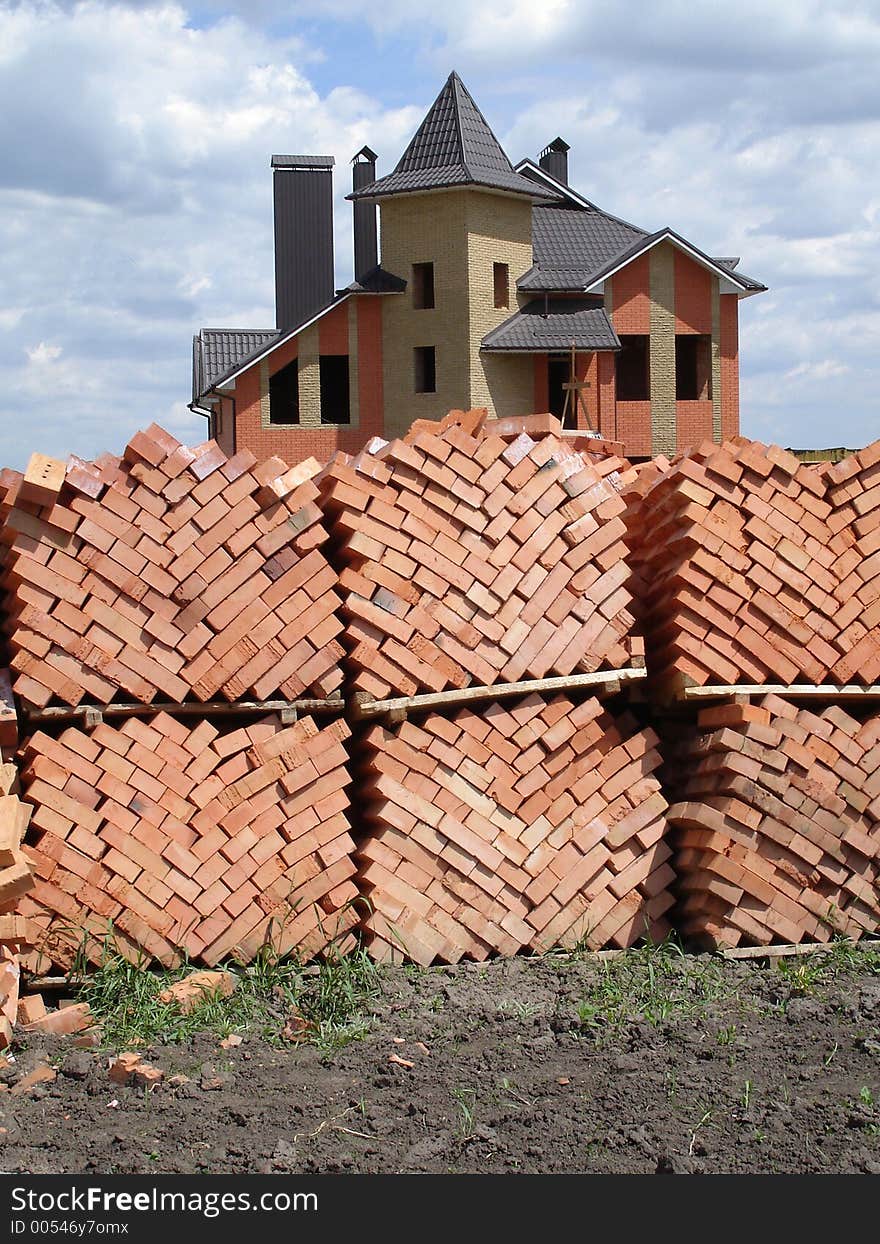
(570, 244)
(377, 281)
(575, 244)
(453, 146)
(567, 320)
(303, 161)
(217, 351)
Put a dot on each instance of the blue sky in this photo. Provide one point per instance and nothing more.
(135, 192)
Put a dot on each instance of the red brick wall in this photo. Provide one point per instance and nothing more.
(333, 331)
(587, 367)
(249, 433)
(631, 313)
(630, 302)
(606, 386)
(224, 425)
(295, 444)
(693, 296)
(634, 427)
(587, 408)
(693, 423)
(729, 365)
(370, 394)
(630, 297)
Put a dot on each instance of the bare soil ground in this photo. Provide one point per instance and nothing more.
(652, 1062)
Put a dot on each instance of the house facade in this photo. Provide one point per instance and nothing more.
(497, 286)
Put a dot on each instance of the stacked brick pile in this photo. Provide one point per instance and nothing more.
(474, 558)
(179, 575)
(188, 840)
(169, 574)
(15, 881)
(513, 827)
(777, 832)
(469, 554)
(759, 569)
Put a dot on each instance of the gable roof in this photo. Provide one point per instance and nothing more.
(219, 350)
(561, 324)
(569, 244)
(576, 245)
(226, 380)
(453, 146)
(748, 285)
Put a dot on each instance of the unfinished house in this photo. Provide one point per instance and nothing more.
(496, 285)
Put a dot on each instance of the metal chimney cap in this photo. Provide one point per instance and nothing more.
(368, 154)
(558, 144)
(302, 161)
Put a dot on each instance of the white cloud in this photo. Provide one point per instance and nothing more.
(822, 369)
(43, 354)
(136, 204)
(10, 317)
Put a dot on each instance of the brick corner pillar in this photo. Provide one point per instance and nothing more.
(729, 364)
(662, 354)
(717, 382)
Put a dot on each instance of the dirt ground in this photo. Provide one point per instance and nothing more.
(650, 1063)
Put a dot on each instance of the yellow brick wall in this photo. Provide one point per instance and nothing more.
(716, 360)
(425, 229)
(309, 379)
(499, 231)
(463, 233)
(662, 353)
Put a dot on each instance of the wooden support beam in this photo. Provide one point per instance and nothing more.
(92, 715)
(607, 681)
(787, 951)
(790, 691)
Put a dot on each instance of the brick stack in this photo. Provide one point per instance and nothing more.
(472, 559)
(180, 575)
(513, 827)
(759, 569)
(15, 881)
(188, 840)
(171, 573)
(777, 832)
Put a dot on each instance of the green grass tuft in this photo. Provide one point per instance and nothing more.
(330, 1000)
(651, 984)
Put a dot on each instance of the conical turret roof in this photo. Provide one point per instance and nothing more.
(453, 146)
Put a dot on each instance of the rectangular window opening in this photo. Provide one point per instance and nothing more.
(501, 281)
(425, 369)
(558, 374)
(633, 369)
(423, 286)
(693, 367)
(284, 394)
(335, 396)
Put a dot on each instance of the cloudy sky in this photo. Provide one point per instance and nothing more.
(135, 192)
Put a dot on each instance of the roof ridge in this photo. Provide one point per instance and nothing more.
(456, 83)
